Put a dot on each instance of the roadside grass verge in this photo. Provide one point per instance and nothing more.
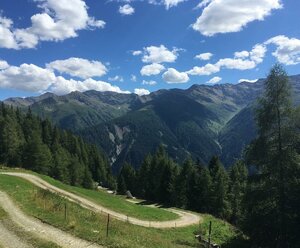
(22, 234)
(116, 203)
(50, 208)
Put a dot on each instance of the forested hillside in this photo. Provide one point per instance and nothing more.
(201, 121)
(31, 143)
(263, 204)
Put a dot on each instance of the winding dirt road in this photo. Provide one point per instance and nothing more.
(36, 227)
(185, 218)
(9, 240)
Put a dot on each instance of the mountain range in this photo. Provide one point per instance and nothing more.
(201, 121)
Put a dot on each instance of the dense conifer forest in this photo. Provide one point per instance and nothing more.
(31, 143)
(264, 203)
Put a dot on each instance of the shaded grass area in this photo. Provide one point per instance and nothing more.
(83, 223)
(22, 234)
(114, 202)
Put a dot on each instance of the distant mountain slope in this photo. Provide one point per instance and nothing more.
(78, 110)
(201, 121)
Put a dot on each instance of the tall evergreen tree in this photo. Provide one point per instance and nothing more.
(219, 191)
(269, 212)
(238, 182)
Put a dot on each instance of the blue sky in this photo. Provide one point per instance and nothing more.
(142, 45)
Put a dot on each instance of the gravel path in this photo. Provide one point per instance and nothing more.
(185, 218)
(9, 240)
(36, 227)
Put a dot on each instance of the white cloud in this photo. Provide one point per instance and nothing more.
(242, 54)
(141, 92)
(154, 54)
(7, 39)
(204, 56)
(26, 77)
(136, 53)
(207, 70)
(242, 61)
(151, 82)
(214, 80)
(238, 64)
(78, 67)
(116, 78)
(152, 69)
(248, 80)
(63, 86)
(3, 64)
(287, 51)
(224, 16)
(172, 3)
(133, 78)
(59, 20)
(126, 10)
(32, 78)
(174, 76)
(258, 53)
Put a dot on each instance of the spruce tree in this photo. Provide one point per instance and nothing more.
(270, 213)
(238, 182)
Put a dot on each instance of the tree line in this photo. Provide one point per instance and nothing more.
(260, 194)
(28, 142)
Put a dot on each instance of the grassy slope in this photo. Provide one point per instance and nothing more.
(117, 203)
(114, 202)
(85, 224)
(24, 235)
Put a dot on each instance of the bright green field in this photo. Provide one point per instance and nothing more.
(83, 223)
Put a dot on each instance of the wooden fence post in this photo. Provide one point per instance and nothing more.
(65, 211)
(107, 226)
(209, 234)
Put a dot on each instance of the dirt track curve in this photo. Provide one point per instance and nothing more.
(9, 240)
(185, 218)
(36, 227)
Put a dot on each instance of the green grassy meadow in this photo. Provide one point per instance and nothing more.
(85, 224)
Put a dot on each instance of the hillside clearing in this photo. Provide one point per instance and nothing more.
(85, 224)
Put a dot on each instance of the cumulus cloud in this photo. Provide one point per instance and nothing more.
(126, 10)
(152, 69)
(63, 86)
(224, 16)
(207, 70)
(78, 67)
(136, 53)
(174, 76)
(159, 54)
(204, 56)
(287, 51)
(214, 80)
(3, 64)
(141, 92)
(248, 80)
(116, 78)
(32, 78)
(242, 54)
(59, 20)
(242, 61)
(26, 77)
(151, 82)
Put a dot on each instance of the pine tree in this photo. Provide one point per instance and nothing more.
(238, 182)
(121, 189)
(219, 191)
(270, 213)
(182, 183)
